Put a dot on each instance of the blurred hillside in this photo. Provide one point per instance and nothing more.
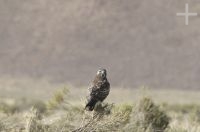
(139, 42)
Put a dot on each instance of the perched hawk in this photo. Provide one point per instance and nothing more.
(99, 90)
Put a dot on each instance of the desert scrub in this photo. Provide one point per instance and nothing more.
(1, 126)
(58, 99)
(8, 109)
(106, 117)
(147, 117)
(40, 106)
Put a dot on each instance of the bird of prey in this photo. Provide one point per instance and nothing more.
(99, 90)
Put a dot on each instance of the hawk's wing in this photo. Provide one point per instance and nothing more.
(100, 90)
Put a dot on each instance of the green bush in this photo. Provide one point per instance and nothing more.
(147, 117)
(154, 118)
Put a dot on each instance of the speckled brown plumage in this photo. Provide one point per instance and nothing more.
(99, 90)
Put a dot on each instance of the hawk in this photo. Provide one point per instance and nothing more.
(99, 90)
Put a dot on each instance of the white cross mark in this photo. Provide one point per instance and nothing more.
(186, 14)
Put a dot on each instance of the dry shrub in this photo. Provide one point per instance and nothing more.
(8, 109)
(147, 117)
(2, 127)
(106, 117)
(40, 106)
(58, 99)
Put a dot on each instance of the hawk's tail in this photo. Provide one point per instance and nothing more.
(90, 105)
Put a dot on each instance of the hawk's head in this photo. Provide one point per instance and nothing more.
(102, 73)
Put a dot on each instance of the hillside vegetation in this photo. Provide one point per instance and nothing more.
(139, 42)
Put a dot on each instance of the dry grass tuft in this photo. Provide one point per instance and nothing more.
(106, 117)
